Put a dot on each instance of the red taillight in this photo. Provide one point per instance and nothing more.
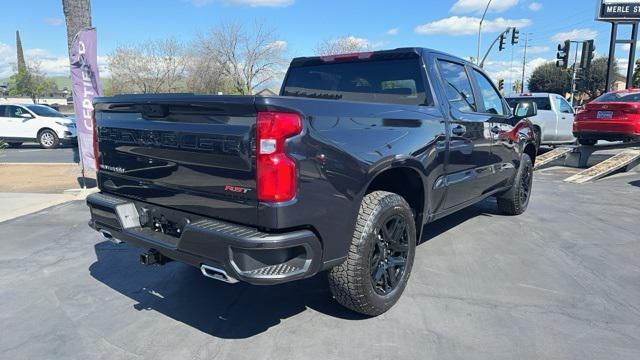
(276, 179)
(632, 110)
(96, 153)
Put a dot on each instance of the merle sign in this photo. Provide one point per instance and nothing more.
(618, 10)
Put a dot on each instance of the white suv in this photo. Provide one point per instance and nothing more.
(20, 123)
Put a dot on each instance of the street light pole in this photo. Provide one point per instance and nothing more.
(480, 30)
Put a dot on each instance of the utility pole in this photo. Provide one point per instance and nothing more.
(575, 71)
(524, 58)
(480, 30)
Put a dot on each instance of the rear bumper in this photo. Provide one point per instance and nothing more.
(612, 129)
(244, 253)
(607, 136)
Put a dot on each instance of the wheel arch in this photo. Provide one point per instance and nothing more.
(43, 129)
(405, 181)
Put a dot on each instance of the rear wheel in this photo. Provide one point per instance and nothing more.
(516, 199)
(380, 258)
(587, 142)
(48, 139)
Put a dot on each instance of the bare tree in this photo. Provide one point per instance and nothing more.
(205, 76)
(348, 44)
(151, 67)
(77, 14)
(248, 59)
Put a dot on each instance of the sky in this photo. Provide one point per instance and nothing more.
(446, 25)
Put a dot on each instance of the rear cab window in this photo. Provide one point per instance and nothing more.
(397, 81)
(543, 102)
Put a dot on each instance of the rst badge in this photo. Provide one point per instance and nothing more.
(237, 189)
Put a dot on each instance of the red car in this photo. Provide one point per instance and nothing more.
(614, 116)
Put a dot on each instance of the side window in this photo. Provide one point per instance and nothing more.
(15, 111)
(457, 86)
(563, 105)
(3, 109)
(490, 96)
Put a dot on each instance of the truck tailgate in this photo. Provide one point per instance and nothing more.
(191, 153)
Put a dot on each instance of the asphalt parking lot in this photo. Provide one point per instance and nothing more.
(560, 282)
(33, 153)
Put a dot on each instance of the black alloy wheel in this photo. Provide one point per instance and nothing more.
(389, 255)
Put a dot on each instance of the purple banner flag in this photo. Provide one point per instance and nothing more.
(85, 79)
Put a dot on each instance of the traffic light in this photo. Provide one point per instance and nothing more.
(588, 52)
(515, 36)
(501, 84)
(563, 54)
(503, 42)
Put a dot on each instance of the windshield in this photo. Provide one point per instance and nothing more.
(619, 97)
(42, 110)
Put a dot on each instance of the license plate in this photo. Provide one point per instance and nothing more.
(605, 114)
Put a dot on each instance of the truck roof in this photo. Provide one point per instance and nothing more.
(399, 53)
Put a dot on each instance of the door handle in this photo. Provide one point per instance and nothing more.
(496, 130)
(459, 130)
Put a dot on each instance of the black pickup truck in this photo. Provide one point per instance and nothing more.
(339, 174)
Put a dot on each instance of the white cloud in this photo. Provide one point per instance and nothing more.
(465, 25)
(538, 49)
(7, 59)
(54, 21)
(279, 44)
(626, 47)
(623, 64)
(357, 41)
(478, 6)
(50, 64)
(535, 6)
(252, 3)
(393, 32)
(575, 35)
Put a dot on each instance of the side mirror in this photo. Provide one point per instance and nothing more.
(525, 109)
(26, 116)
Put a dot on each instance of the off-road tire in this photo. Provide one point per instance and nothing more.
(515, 200)
(352, 282)
(48, 139)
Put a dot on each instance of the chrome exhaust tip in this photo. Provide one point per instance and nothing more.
(218, 274)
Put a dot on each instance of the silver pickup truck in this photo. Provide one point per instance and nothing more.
(554, 123)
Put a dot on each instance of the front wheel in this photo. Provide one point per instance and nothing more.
(380, 258)
(48, 139)
(515, 200)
